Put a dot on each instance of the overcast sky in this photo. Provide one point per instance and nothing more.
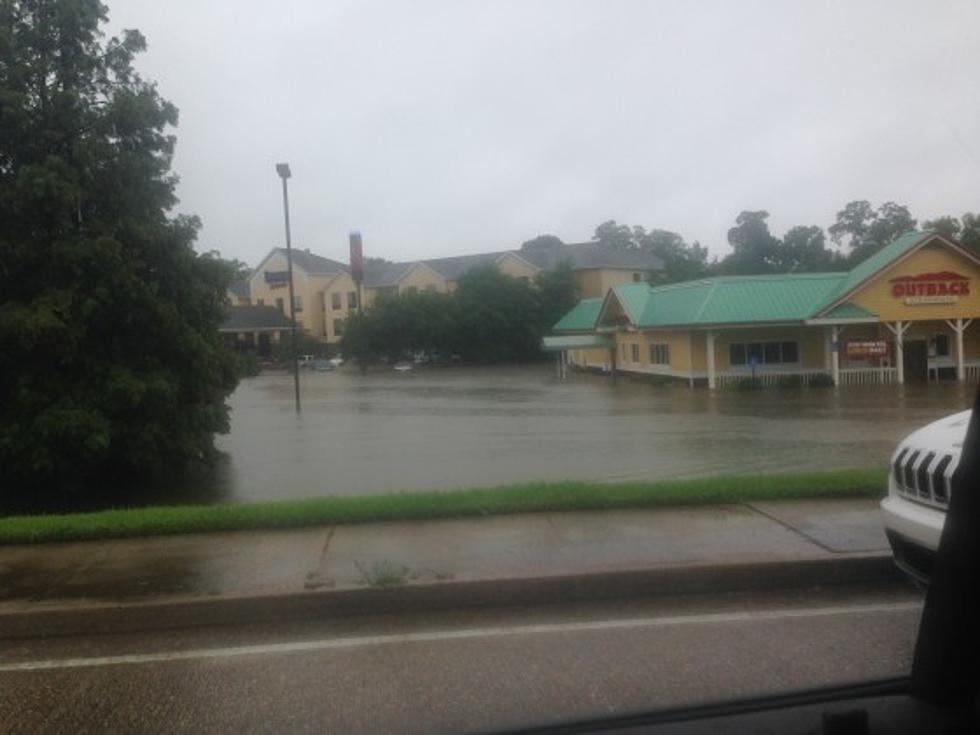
(452, 127)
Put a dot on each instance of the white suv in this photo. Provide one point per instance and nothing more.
(919, 484)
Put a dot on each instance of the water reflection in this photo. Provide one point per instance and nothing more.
(452, 427)
(447, 428)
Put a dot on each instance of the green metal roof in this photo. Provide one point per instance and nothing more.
(581, 318)
(867, 268)
(849, 310)
(729, 300)
(789, 297)
(633, 297)
(576, 342)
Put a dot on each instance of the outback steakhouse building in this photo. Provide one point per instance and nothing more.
(904, 314)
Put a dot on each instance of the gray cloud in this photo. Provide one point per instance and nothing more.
(452, 127)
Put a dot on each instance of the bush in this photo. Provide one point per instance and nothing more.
(748, 383)
(246, 364)
(790, 381)
(821, 380)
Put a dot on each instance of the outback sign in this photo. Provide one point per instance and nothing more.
(944, 287)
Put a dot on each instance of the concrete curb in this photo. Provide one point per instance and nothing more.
(76, 619)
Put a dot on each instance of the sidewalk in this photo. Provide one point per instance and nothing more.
(519, 558)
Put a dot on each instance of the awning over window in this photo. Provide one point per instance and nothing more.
(575, 342)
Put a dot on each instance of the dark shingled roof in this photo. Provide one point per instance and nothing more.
(254, 318)
(584, 255)
(581, 255)
(240, 288)
(313, 263)
(456, 265)
(384, 274)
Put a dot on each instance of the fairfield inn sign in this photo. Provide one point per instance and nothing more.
(944, 287)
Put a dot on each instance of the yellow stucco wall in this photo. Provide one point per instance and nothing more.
(317, 316)
(512, 265)
(342, 285)
(688, 349)
(304, 287)
(877, 296)
(594, 282)
(420, 277)
(678, 344)
(811, 342)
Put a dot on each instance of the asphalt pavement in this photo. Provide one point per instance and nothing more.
(456, 671)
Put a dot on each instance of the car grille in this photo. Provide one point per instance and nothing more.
(924, 477)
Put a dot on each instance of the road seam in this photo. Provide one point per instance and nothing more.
(813, 540)
(751, 616)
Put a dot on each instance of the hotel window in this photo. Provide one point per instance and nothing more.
(635, 352)
(338, 327)
(352, 299)
(260, 302)
(298, 303)
(335, 301)
(763, 353)
(660, 354)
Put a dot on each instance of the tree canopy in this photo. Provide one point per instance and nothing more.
(864, 230)
(110, 361)
(682, 261)
(490, 317)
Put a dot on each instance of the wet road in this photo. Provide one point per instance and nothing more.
(452, 427)
(452, 672)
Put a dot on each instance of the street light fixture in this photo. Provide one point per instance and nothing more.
(284, 173)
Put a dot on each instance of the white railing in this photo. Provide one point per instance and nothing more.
(767, 379)
(971, 371)
(868, 375)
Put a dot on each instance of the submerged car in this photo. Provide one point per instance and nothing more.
(323, 366)
(919, 485)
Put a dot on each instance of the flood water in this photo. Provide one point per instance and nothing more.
(445, 428)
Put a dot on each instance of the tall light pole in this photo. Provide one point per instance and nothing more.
(283, 170)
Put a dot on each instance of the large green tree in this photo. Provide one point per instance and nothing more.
(969, 233)
(110, 362)
(754, 248)
(866, 230)
(489, 317)
(682, 261)
(804, 250)
(966, 229)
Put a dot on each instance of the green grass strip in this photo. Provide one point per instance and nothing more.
(524, 498)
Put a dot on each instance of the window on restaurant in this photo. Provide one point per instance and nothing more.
(942, 345)
(763, 353)
(660, 354)
(338, 327)
(335, 301)
(635, 352)
(352, 299)
(298, 303)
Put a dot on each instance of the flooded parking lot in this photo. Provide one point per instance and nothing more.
(456, 427)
